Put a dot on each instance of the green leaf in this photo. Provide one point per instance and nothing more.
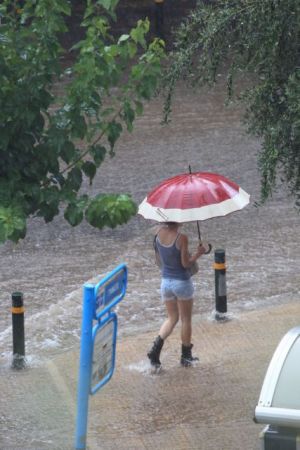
(64, 7)
(108, 4)
(74, 179)
(74, 214)
(113, 132)
(129, 115)
(12, 223)
(110, 210)
(138, 34)
(49, 204)
(79, 127)
(98, 153)
(67, 151)
(89, 169)
(123, 38)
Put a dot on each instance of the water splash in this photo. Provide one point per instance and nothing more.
(144, 367)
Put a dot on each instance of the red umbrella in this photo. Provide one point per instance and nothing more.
(190, 197)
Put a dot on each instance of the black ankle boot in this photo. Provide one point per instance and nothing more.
(186, 355)
(154, 353)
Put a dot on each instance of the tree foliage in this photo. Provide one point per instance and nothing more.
(49, 144)
(260, 39)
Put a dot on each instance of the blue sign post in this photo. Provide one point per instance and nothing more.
(98, 342)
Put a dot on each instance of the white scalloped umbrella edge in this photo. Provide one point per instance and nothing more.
(239, 201)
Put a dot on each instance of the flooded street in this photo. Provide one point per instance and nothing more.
(54, 261)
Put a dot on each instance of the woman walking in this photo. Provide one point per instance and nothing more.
(176, 290)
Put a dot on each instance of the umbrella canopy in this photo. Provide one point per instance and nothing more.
(191, 197)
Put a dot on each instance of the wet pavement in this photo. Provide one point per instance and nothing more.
(207, 406)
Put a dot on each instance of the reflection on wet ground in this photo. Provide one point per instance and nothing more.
(52, 263)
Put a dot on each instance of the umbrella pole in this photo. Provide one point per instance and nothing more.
(199, 234)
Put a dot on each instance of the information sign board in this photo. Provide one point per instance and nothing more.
(110, 290)
(104, 351)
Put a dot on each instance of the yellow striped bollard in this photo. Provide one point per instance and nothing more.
(17, 311)
(220, 285)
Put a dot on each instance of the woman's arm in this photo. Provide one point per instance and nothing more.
(187, 260)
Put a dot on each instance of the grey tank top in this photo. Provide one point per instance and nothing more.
(171, 261)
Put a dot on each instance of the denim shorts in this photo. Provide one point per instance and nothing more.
(172, 289)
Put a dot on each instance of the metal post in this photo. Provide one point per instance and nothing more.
(85, 368)
(17, 311)
(220, 284)
(159, 18)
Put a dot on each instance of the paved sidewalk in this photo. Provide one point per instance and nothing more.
(206, 407)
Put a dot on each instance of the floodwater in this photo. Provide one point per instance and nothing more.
(53, 262)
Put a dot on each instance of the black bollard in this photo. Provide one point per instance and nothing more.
(159, 18)
(18, 331)
(220, 284)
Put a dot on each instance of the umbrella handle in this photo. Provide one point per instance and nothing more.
(209, 249)
(200, 241)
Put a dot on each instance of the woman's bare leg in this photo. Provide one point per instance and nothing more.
(185, 311)
(173, 316)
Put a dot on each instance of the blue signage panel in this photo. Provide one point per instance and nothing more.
(104, 352)
(110, 290)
